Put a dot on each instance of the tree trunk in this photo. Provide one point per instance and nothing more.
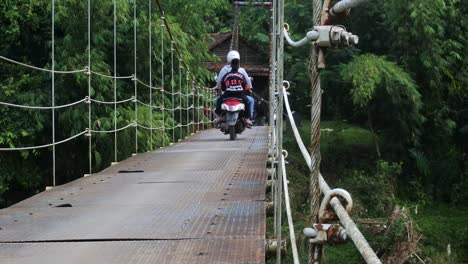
(374, 135)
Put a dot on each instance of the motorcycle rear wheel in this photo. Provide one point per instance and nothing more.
(232, 132)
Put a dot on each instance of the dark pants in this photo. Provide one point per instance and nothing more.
(240, 95)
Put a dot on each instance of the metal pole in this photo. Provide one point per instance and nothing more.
(172, 91)
(180, 98)
(115, 82)
(163, 97)
(135, 73)
(90, 157)
(272, 103)
(150, 73)
(53, 93)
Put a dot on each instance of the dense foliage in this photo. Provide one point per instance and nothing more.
(25, 28)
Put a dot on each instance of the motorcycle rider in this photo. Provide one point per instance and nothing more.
(226, 69)
(234, 84)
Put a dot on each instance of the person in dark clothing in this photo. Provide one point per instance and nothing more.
(234, 85)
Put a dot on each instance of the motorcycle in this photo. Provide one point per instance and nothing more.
(233, 121)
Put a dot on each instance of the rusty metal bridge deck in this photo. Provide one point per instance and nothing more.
(198, 201)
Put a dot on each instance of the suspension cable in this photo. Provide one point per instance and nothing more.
(44, 146)
(149, 105)
(115, 130)
(353, 232)
(113, 102)
(43, 107)
(292, 235)
(115, 77)
(147, 85)
(42, 69)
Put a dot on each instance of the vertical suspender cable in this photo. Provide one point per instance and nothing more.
(163, 97)
(315, 251)
(180, 98)
(115, 82)
(279, 126)
(288, 213)
(187, 101)
(150, 74)
(172, 91)
(53, 92)
(135, 72)
(272, 105)
(90, 157)
(197, 92)
(193, 104)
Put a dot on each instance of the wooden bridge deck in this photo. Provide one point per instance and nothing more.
(198, 201)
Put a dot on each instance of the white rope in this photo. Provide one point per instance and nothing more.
(170, 93)
(114, 130)
(113, 102)
(292, 235)
(147, 85)
(353, 232)
(148, 105)
(42, 69)
(45, 146)
(44, 107)
(150, 128)
(112, 76)
(297, 136)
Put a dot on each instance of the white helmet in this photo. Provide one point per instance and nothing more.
(232, 55)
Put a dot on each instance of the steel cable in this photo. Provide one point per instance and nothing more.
(356, 236)
(44, 107)
(44, 146)
(42, 69)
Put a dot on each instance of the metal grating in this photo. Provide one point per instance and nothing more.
(198, 201)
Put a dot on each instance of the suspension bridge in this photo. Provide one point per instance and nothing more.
(194, 196)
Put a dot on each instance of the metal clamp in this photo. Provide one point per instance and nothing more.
(285, 153)
(326, 233)
(324, 214)
(286, 84)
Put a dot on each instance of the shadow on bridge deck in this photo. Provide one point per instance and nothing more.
(198, 201)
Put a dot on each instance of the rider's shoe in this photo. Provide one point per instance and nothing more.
(217, 121)
(248, 123)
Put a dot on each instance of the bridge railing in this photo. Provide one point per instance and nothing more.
(324, 229)
(182, 103)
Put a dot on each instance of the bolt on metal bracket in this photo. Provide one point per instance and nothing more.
(326, 234)
(325, 37)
